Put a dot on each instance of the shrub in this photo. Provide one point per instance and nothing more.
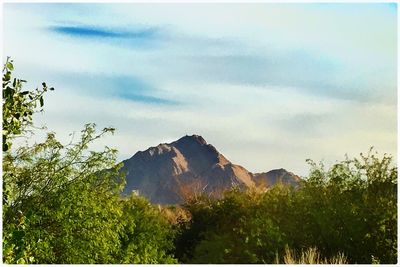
(350, 208)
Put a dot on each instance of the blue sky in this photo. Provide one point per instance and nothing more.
(269, 85)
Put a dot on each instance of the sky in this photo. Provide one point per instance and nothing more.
(269, 85)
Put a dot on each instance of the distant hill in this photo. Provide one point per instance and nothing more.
(275, 176)
(171, 173)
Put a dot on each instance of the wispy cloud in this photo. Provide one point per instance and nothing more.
(146, 99)
(87, 31)
(114, 86)
(293, 70)
(235, 61)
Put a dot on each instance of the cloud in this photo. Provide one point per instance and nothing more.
(135, 37)
(304, 124)
(292, 70)
(113, 86)
(87, 31)
(203, 58)
(146, 99)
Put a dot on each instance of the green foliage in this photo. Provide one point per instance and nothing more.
(68, 203)
(147, 237)
(350, 208)
(231, 230)
(62, 203)
(18, 105)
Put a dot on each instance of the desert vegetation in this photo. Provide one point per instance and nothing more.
(348, 212)
(310, 256)
(62, 204)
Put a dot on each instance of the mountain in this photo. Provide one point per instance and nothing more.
(275, 176)
(171, 173)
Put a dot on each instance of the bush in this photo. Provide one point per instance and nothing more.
(350, 208)
(230, 230)
(146, 237)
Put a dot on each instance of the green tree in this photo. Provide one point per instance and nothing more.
(18, 108)
(18, 105)
(230, 230)
(62, 203)
(69, 204)
(352, 207)
(146, 236)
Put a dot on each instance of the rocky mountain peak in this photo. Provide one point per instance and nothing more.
(192, 139)
(170, 173)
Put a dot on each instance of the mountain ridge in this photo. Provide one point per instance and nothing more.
(170, 173)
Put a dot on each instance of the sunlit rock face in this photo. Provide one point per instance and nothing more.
(172, 173)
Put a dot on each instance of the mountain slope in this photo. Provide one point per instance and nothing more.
(171, 173)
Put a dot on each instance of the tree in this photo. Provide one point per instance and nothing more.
(18, 108)
(352, 207)
(146, 236)
(62, 203)
(229, 230)
(18, 105)
(69, 204)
